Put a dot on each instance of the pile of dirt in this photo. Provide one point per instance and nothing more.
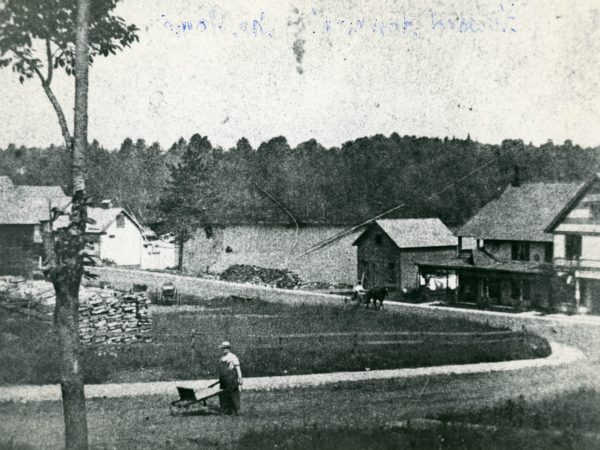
(280, 278)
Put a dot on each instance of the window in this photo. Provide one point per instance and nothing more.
(595, 210)
(120, 221)
(515, 289)
(37, 234)
(520, 251)
(520, 289)
(391, 273)
(494, 288)
(378, 239)
(548, 252)
(573, 246)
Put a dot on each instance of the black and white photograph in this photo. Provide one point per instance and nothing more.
(299, 224)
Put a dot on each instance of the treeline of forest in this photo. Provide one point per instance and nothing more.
(340, 185)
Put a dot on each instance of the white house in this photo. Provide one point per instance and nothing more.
(117, 236)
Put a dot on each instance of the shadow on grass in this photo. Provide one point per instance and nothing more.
(269, 338)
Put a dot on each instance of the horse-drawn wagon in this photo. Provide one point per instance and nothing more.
(375, 295)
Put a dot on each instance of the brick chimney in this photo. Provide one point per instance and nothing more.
(107, 203)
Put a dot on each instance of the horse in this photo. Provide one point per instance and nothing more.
(376, 294)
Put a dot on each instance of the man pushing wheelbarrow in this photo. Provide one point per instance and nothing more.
(230, 380)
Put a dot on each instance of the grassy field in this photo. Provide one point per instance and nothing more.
(567, 421)
(349, 416)
(269, 339)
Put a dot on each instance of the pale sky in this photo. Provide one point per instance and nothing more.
(366, 68)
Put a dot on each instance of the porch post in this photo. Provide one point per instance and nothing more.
(457, 290)
(480, 288)
(577, 294)
(521, 288)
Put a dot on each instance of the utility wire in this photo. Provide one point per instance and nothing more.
(277, 202)
(286, 210)
(326, 242)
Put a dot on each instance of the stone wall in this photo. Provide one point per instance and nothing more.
(107, 316)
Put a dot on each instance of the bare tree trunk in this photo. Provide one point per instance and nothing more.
(71, 384)
(68, 255)
(180, 256)
(81, 97)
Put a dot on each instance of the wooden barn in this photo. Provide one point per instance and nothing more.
(23, 212)
(388, 249)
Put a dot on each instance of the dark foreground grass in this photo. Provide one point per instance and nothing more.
(578, 410)
(443, 437)
(269, 339)
(345, 416)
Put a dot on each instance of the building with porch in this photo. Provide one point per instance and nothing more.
(513, 264)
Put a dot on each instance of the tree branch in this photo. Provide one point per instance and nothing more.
(49, 62)
(62, 121)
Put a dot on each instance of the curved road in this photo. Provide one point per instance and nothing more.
(144, 422)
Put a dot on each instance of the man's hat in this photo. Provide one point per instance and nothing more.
(225, 344)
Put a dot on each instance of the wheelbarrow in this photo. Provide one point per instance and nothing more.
(189, 404)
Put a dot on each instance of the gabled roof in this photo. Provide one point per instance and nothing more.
(573, 201)
(104, 217)
(414, 233)
(28, 205)
(521, 213)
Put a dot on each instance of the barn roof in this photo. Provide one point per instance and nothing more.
(28, 205)
(414, 233)
(521, 213)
